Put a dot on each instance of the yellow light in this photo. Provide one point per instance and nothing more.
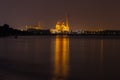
(60, 27)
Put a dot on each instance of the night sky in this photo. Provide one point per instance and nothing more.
(83, 14)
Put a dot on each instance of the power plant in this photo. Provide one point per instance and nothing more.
(62, 27)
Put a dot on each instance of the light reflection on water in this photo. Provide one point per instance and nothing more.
(101, 57)
(61, 59)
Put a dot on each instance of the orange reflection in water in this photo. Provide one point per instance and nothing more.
(61, 58)
(101, 55)
(101, 51)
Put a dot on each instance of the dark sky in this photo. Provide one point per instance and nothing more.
(83, 14)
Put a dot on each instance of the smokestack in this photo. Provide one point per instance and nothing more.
(67, 20)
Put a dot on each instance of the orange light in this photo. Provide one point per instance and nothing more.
(61, 57)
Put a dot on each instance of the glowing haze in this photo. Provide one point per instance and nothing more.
(83, 14)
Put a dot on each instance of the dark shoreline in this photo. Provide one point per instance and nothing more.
(6, 31)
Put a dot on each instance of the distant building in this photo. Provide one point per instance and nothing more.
(35, 27)
(53, 31)
(61, 27)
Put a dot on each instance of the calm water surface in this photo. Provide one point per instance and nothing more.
(59, 58)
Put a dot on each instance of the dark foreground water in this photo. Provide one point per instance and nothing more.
(59, 58)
